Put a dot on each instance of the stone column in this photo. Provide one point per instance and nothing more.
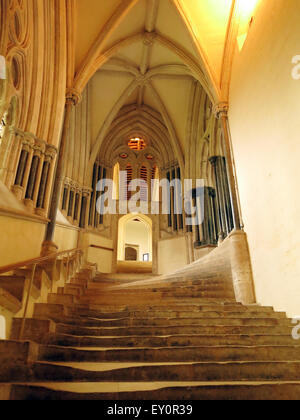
(39, 176)
(72, 99)
(65, 197)
(77, 208)
(33, 180)
(223, 225)
(44, 188)
(221, 111)
(27, 169)
(71, 205)
(23, 168)
(85, 206)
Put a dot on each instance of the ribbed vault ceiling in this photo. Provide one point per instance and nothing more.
(150, 53)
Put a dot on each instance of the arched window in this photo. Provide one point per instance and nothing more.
(137, 144)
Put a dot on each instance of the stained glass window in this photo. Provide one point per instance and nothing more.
(137, 144)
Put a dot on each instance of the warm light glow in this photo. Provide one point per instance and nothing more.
(247, 7)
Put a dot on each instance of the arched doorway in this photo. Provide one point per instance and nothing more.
(135, 240)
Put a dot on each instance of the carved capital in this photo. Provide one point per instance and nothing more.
(28, 141)
(50, 152)
(221, 109)
(86, 191)
(73, 96)
(39, 147)
(67, 182)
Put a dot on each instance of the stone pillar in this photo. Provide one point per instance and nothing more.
(48, 246)
(85, 205)
(77, 207)
(39, 177)
(242, 274)
(221, 111)
(27, 169)
(23, 167)
(223, 199)
(71, 205)
(66, 196)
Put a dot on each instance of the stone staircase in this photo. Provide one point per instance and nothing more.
(124, 338)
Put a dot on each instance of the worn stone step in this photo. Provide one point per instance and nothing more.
(75, 289)
(65, 299)
(141, 372)
(123, 300)
(164, 322)
(115, 312)
(160, 391)
(35, 329)
(174, 314)
(174, 290)
(187, 304)
(49, 310)
(171, 341)
(80, 281)
(178, 354)
(171, 330)
(187, 315)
